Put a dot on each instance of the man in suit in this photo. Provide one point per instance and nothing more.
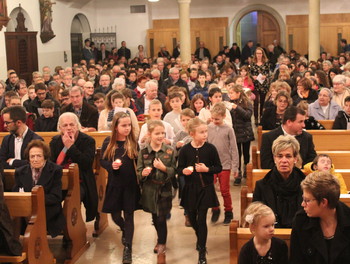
(123, 51)
(150, 94)
(103, 53)
(41, 171)
(247, 51)
(87, 114)
(202, 52)
(73, 146)
(173, 79)
(13, 145)
(293, 124)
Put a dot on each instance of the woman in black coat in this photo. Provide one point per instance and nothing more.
(321, 232)
(41, 171)
(273, 116)
(280, 188)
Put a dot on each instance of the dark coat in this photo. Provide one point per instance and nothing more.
(35, 104)
(169, 82)
(8, 242)
(99, 55)
(242, 125)
(308, 245)
(51, 180)
(124, 51)
(312, 97)
(307, 147)
(81, 152)
(88, 117)
(176, 53)
(43, 124)
(206, 53)
(268, 119)
(100, 89)
(140, 103)
(246, 52)
(199, 89)
(284, 197)
(341, 120)
(235, 54)
(7, 149)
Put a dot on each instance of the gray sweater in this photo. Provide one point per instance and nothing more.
(224, 139)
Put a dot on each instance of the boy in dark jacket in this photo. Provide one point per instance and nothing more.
(47, 121)
(342, 120)
(201, 86)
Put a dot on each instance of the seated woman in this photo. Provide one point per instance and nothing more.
(304, 92)
(280, 188)
(323, 108)
(272, 117)
(321, 232)
(310, 121)
(342, 120)
(323, 162)
(41, 171)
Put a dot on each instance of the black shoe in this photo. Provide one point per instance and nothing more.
(215, 215)
(244, 171)
(127, 258)
(202, 259)
(237, 182)
(228, 217)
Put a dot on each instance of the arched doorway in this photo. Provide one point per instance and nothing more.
(80, 30)
(259, 26)
(273, 17)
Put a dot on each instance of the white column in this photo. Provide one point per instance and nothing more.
(185, 30)
(314, 29)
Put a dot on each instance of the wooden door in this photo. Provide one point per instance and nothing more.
(22, 53)
(76, 40)
(268, 29)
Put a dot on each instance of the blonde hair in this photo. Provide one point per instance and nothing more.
(154, 102)
(285, 142)
(219, 109)
(152, 124)
(187, 112)
(254, 212)
(193, 124)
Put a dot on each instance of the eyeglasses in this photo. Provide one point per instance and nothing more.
(8, 122)
(307, 201)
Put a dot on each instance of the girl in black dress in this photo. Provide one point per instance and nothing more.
(199, 161)
(118, 153)
(263, 248)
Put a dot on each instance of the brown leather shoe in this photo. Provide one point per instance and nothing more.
(161, 254)
(155, 250)
(187, 221)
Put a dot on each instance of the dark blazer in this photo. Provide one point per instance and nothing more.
(99, 55)
(9, 244)
(81, 152)
(169, 82)
(206, 53)
(124, 51)
(51, 180)
(7, 149)
(43, 124)
(307, 147)
(140, 103)
(308, 245)
(341, 121)
(88, 117)
(268, 119)
(35, 104)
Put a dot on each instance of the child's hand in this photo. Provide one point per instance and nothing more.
(116, 165)
(235, 174)
(200, 167)
(209, 120)
(187, 171)
(146, 171)
(143, 140)
(179, 144)
(157, 163)
(167, 141)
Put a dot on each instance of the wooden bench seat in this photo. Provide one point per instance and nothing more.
(35, 245)
(240, 236)
(75, 231)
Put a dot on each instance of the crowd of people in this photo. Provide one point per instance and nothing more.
(198, 124)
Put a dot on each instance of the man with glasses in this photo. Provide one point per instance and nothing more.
(89, 93)
(41, 95)
(173, 79)
(13, 145)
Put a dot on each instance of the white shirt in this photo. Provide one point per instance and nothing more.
(147, 102)
(18, 146)
(169, 133)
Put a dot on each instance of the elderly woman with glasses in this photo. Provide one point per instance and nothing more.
(321, 232)
(324, 108)
(340, 92)
(280, 188)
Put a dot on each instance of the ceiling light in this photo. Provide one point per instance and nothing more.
(152, 1)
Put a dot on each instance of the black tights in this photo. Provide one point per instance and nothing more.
(161, 228)
(126, 224)
(243, 148)
(198, 221)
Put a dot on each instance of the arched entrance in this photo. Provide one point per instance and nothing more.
(80, 30)
(263, 22)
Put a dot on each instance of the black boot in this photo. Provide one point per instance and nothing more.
(215, 215)
(123, 237)
(202, 255)
(127, 259)
(228, 217)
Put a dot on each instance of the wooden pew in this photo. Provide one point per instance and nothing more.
(240, 236)
(328, 124)
(253, 175)
(75, 230)
(35, 245)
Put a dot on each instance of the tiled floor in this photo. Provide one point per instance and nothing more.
(181, 240)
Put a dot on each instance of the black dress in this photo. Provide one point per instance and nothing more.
(122, 191)
(277, 254)
(199, 191)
